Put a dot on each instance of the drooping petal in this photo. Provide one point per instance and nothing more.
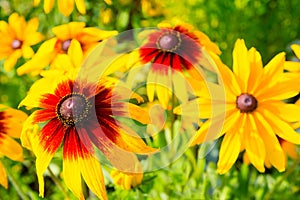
(73, 150)
(65, 6)
(274, 151)
(151, 82)
(254, 144)
(92, 174)
(10, 148)
(230, 149)
(80, 6)
(12, 59)
(296, 49)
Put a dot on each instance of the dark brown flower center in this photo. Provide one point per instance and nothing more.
(65, 45)
(169, 42)
(16, 44)
(246, 103)
(73, 109)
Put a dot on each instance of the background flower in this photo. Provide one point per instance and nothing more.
(16, 38)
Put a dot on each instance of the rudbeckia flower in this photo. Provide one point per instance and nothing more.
(10, 127)
(172, 51)
(254, 111)
(65, 6)
(128, 180)
(16, 38)
(88, 38)
(81, 117)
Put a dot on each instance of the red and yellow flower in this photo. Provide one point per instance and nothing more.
(10, 127)
(16, 38)
(172, 51)
(81, 117)
(88, 38)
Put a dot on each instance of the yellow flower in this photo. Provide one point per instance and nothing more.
(88, 38)
(16, 38)
(128, 180)
(65, 6)
(10, 126)
(254, 112)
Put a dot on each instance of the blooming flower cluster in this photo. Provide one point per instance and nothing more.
(82, 119)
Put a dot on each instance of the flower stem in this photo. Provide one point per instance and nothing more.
(15, 183)
(278, 182)
(58, 183)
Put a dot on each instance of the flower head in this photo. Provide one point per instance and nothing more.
(254, 112)
(171, 51)
(10, 127)
(80, 117)
(88, 38)
(16, 38)
(65, 6)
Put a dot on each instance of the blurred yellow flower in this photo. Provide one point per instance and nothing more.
(88, 38)
(65, 6)
(128, 180)
(16, 38)
(10, 127)
(254, 112)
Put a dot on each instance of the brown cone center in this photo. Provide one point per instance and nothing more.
(73, 109)
(246, 103)
(169, 42)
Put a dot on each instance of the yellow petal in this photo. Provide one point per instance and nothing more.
(42, 58)
(14, 123)
(48, 5)
(3, 177)
(241, 66)
(92, 174)
(66, 6)
(230, 149)
(275, 155)
(256, 69)
(254, 144)
(71, 176)
(151, 82)
(27, 51)
(68, 31)
(12, 59)
(280, 127)
(10, 148)
(287, 112)
(180, 86)
(80, 6)
(36, 2)
(164, 89)
(42, 162)
(290, 149)
(296, 49)
(75, 53)
(292, 66)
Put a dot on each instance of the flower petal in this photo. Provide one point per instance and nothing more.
(230, 149)
(66, 6)
(3, 177)
(10, 148)
(80, 6)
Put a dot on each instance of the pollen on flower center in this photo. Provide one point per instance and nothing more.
(169, 42)
(65, 45)
(16, 44)
(73, 109)
(246, 103)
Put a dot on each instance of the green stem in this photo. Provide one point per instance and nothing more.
(277, 184)
(13, 181)
(58, 183)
